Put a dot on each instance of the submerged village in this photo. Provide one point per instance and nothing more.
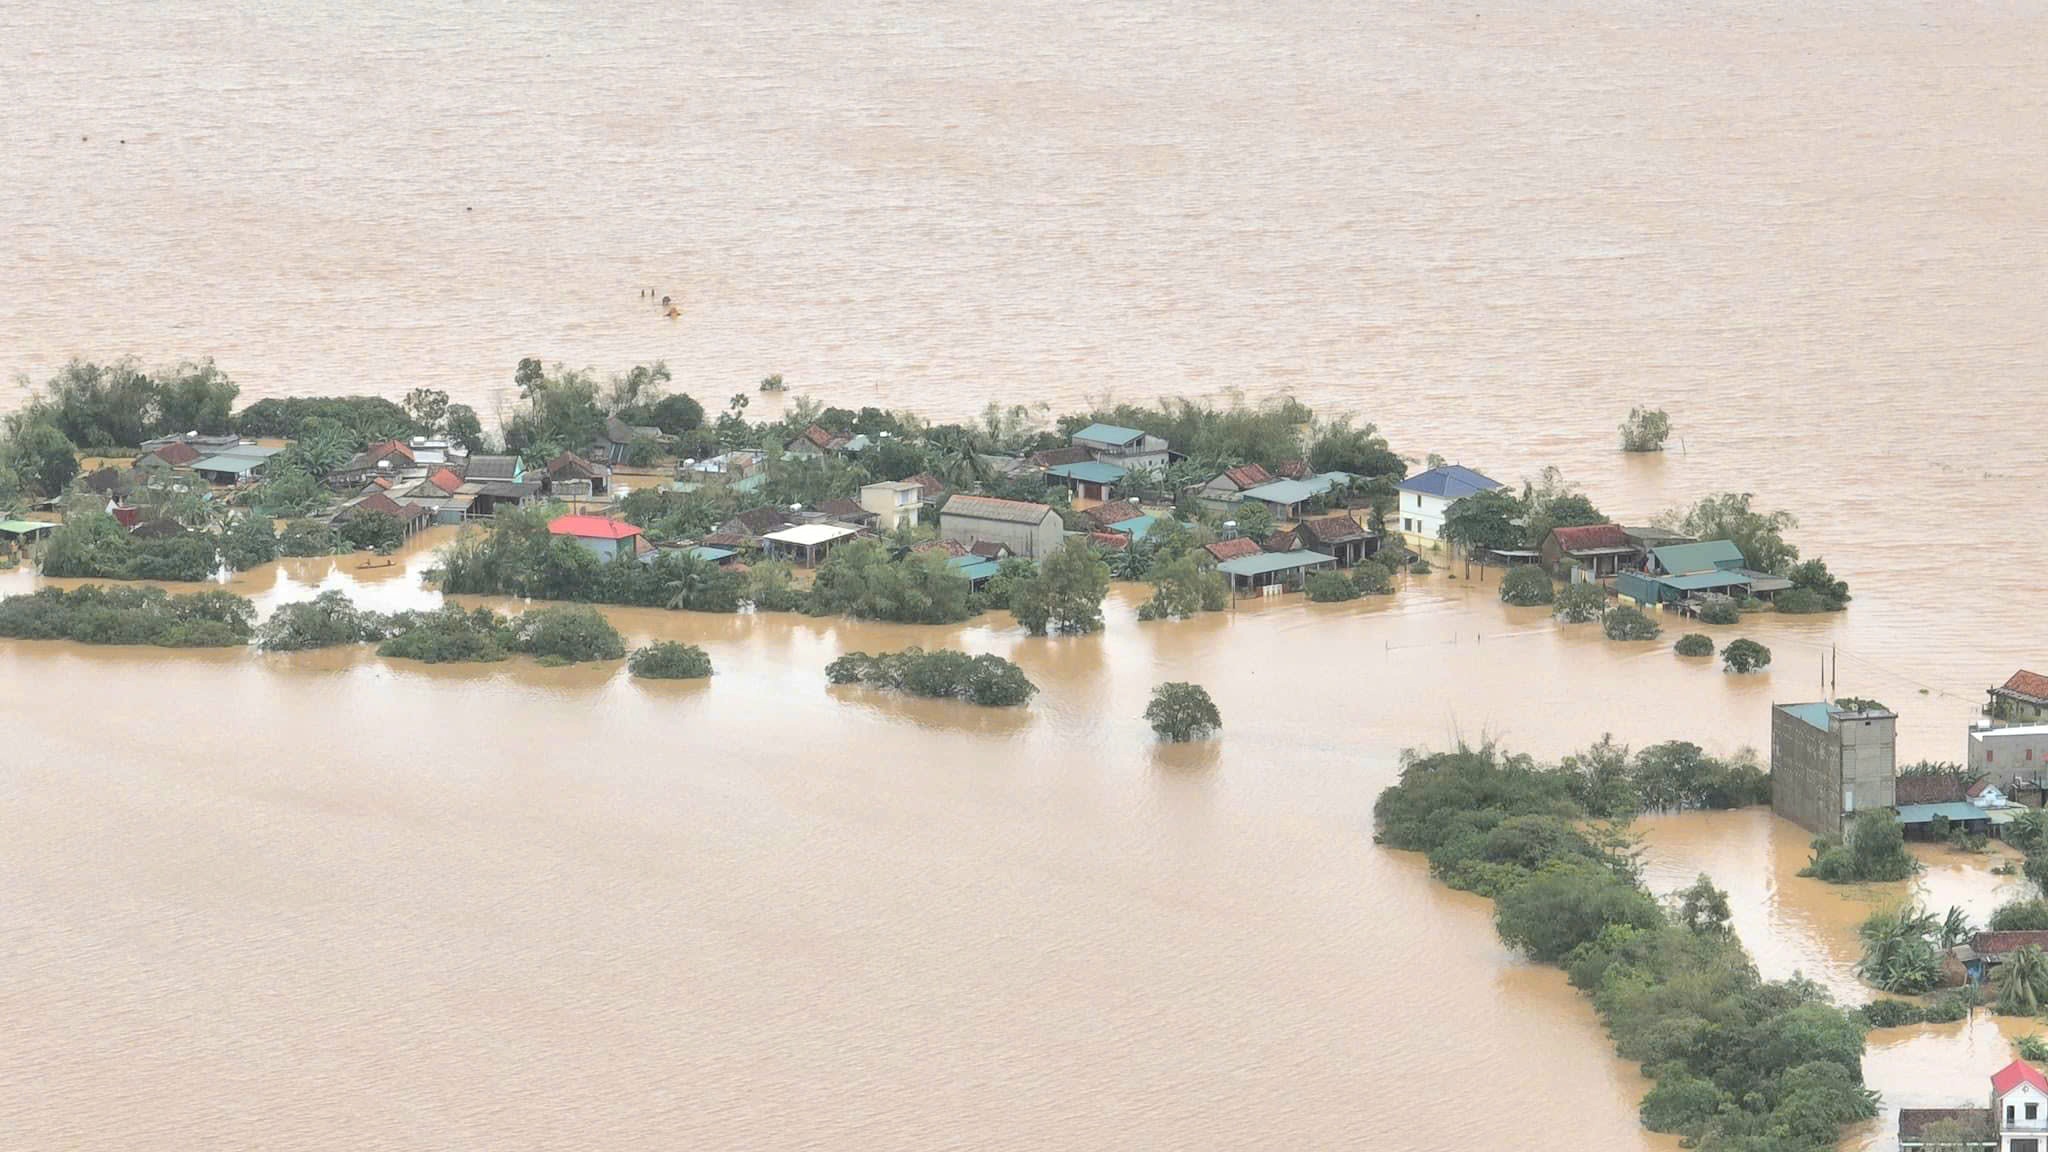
(138, 491)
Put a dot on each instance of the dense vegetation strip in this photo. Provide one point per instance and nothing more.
(97, 615)
(987, 680)
(1740, 1064)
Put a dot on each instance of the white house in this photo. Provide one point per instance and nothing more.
(1127, 448)
(1426, 496)
(2012, 755)
(893, 502)
(2017, 1120)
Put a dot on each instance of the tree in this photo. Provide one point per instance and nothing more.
(195, 397)
(669, 660)
(1553, 502)
(1626, 623)
(1955, 928)
(1745, 655)
(374, 531)
(1955, 1136)
(1814, 589)
(1693, 644)
(1360, 450)
(1485, 522)
(2020, 916)
(1759, 536)
(463, 428)
(325, 621)
(2022, 982)
(1067, 593)
(1645, 430)
(566, 634)
(1329, 586)
(1525, 585)
(1580, 603)
(43, 457)
(1254, 520)
(428, 407)
(1180, 712)
(1181, 587)
(248, 541)
(1569, 904)
(1703, 909)
(1899, 954)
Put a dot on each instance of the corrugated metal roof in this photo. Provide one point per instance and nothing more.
(1281, 492)
(973, 567)
(1925, 813)
(23, 527)
(1266, 562)
(1701, 581)
(1109, 434)
(706, 552)
(1701, 557)
(1450, 481)
(991, 508)
(235, 464)
(1090, 472)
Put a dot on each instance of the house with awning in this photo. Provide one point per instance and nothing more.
(1676, 573)
(1598, 550)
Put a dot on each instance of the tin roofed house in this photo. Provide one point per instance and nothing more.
(1030, 530)
(1127, 448)
(1426, 496)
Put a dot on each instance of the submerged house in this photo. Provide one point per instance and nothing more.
(2015, 1121)
(1829, 762)
(1675, 573)
(571, 475)
(1221, 494)
(1598, 550)
(1127, 448)
(1029, 530)
(1089, 479)
(2022, 699)
(1339, 537)
(1271, 573)
(601, 535)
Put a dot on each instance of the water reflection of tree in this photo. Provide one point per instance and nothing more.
(941, 715)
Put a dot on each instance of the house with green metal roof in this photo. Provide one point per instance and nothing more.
(1271, 573)
(25, 531)
(1704, 556)
(1128, 448)
(1089, 479)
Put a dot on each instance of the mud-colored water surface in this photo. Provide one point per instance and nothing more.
(326, 901)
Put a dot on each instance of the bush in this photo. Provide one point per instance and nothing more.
(2031, 1047)
(1420, 567)
(989, 681)
(248, 542)
(308, 538)
(1625, 623)
(1580, 603)
(450, 635)
(1816, 588)
(1066, 593)
(1526, 585)
(1719, 611)
(669, 660)
(1645, 430)
(1874, 852)
(375, 531)
(771, 587)
(1745, 655)
(325, 621)
(2020, 916)
(98, 615)
(95, 546)
(1801, 602)
(566, 634)
(1180, 712)
(1693, 644)
(1372, 578)
(1327, 586)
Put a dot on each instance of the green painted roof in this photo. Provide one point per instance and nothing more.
(1266, 562)
(1283, 492)
(1814, 714)
(1109, 434)
(974, 567)
(1090, 471)
(706, 552)
(1701, 557)
(1925, 813)
(1701, 581)
(23, 527)
(235, 464)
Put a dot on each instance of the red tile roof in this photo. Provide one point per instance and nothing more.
(445, 479)
(932, 487)
(379, 502)
(1294, 469)
(1054, 457)
(176, 453)
(1584, 536)
(1249, 475)
(1331, 529)
(2029, 684)
(1931, 788)
(378, 452)
(1114, 512)
(592, 528)
(1233, 548)
(1113, 541)
(2000, 943)
(823, 439)
(2015, 1074)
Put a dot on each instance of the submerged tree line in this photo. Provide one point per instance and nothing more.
(1739, 1063)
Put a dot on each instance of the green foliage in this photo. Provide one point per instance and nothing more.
(248, 541)
(556, 412)
(463, 428)
(1180, 712)
(990, 681)
(1485, 521)
(1738, 1063)
(1580, 603)
(97, 615)
(1626, 623)
(1182, 588)
(41, 457)
(1945, 1008)
(1900, 953)
(325, 621)
(2022, 982)
(1066, 593)
(2020, 916)
(447, 636)
(1525, 585)
(1759, 536)
(1329, 586)
(374, 531)
(2031, 1047)
(1645, 430)
(357, 421)
(1553, 502)
(308, 538)
(93, 545)
(520, 557)
(861, 580)
(118, 405)
(1268, 434)
(566, 634)
(1372, 578)
(1745, 655)
(1875, 852)
(669, 660)
(1340, 447)
(290, 486)
(1254, 520)
(1814, 589)
(1011, 571)
(1693, 644)
(1720, 610)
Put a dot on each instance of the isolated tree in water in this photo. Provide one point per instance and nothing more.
(1180, 712)
(1645, 430)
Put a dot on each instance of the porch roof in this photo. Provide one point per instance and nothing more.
(1265, 562)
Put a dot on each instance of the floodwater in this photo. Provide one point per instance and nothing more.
(325, 901)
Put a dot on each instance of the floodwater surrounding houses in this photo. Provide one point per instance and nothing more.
(324, 901)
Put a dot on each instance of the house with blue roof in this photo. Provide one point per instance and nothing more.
(1127, 448)
(1426, 496)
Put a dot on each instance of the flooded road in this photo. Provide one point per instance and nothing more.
(324, 901)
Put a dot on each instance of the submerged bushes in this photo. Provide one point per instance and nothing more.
(986, 680)
(1366, 578)
(95, 545)
(325, 621)
(1526, 585)
(1739, 1063)
(669, 660)
(1875, 850)
(97, 615)
(1693, 644)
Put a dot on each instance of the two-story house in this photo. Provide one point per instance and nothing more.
(2017, 1120)
(1127, 448)
(1426, 496)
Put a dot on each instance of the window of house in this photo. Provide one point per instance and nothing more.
(2008, 1113)
(1988, 757)
(2030, 753)
(2033, 1111)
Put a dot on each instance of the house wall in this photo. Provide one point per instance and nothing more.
(1869, 760)
(2005, 754)
(1149, 452)
(1422, 515)
(891, 507)
(1034, 541)
(1806, 774)
(2014, 711)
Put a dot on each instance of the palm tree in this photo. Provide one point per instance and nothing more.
(1898, 955)
(1955, 928)
(2022, 982)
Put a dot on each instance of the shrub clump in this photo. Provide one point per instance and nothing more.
(1875, 851)
(566, 634)
(1625, 623)
(987, 680)
(1693, 644)
(1580, 603)
(1745, 656)
(97, 615)
(1180, 712)
(1329, 587)
(1720, 611)
(448, 636)
(308, 538)
(669, 660)
(325, 621)
(94, 545)
(1526, 585)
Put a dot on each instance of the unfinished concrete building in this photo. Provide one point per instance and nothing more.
(1829, 762)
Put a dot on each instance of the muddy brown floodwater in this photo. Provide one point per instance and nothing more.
(329, 902)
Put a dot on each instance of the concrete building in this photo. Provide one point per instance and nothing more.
(2022, 699)
(894, 502)
(603, 536)
(1127, 448)
(1030, 530)
(2014, 754)
(1426, 496)
(1829, 763)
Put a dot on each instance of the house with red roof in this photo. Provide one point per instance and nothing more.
(1600, 550)
(2022, 699)
(2016, 1121)
(601, 534)
(412, 517)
